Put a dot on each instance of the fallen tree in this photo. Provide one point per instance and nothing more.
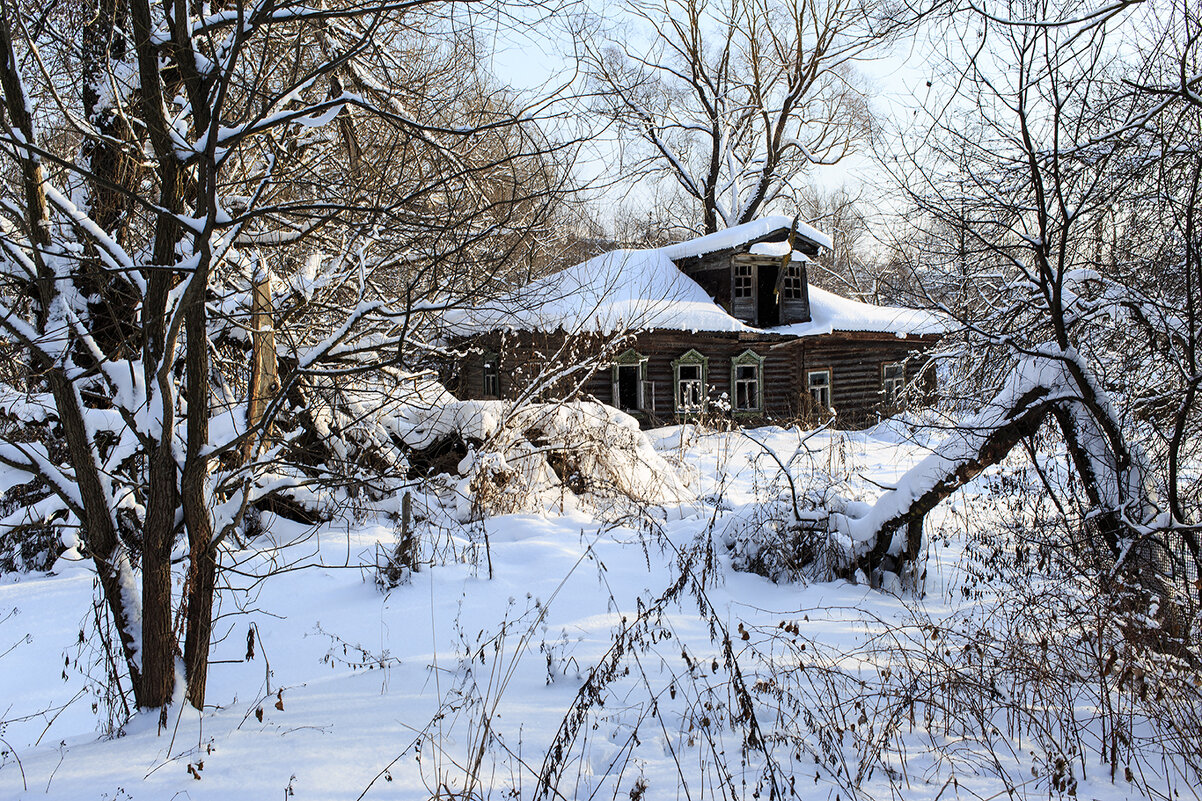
(1128, 537)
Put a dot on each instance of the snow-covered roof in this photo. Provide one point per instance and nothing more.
(830, 312)
(739, 235)
(631, 290)
(620, 290)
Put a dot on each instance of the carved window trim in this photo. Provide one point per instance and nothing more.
(689, 394)
(747, 359)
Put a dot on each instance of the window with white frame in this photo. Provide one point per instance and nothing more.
(690, 374)
(744, 285)
(746, 380)
(818, 382)
(893, 380)
(492, 375)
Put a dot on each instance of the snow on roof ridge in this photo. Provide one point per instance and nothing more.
(742, 234)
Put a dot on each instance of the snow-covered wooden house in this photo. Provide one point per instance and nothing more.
(722, 324)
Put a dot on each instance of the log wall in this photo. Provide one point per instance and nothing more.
(545, 366)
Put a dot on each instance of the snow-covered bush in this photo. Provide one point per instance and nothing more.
(1040, 658)
(539, 456)
(770, 542)
(785, 534)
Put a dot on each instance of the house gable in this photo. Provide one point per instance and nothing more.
(756, 272)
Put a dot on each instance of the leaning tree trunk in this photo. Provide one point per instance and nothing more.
(971, 449)
(1123, 541)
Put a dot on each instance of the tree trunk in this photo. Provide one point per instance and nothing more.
(112, 179)
(194, 485)
(942, 474)
(197, 517)
(94, 510)
(202, 569)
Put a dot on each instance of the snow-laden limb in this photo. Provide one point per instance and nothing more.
(1016, 411)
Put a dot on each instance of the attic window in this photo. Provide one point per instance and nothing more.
(743, 281)
(491, 371)
(690, 374)
(793, 288)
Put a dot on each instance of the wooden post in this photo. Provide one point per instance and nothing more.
(407, 548)
(264, 369)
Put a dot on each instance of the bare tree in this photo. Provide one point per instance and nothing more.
(732, 102)
(845, 268)
(351, 150)
(1046, 182)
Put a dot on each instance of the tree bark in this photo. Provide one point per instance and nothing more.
(264, 365)
(194, 487)
(93, 506)
(113, 177)
(163, 493)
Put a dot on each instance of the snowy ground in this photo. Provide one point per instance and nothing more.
(457, 683)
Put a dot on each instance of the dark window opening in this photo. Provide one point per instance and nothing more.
(769, 306)
(628, 387)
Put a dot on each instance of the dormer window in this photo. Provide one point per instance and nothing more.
(744, 285)
(793, 287)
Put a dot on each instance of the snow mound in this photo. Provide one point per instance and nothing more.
(555, 457)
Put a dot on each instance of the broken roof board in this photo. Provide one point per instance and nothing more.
(740, 235)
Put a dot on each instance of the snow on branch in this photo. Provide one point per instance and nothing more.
(1015, 412)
